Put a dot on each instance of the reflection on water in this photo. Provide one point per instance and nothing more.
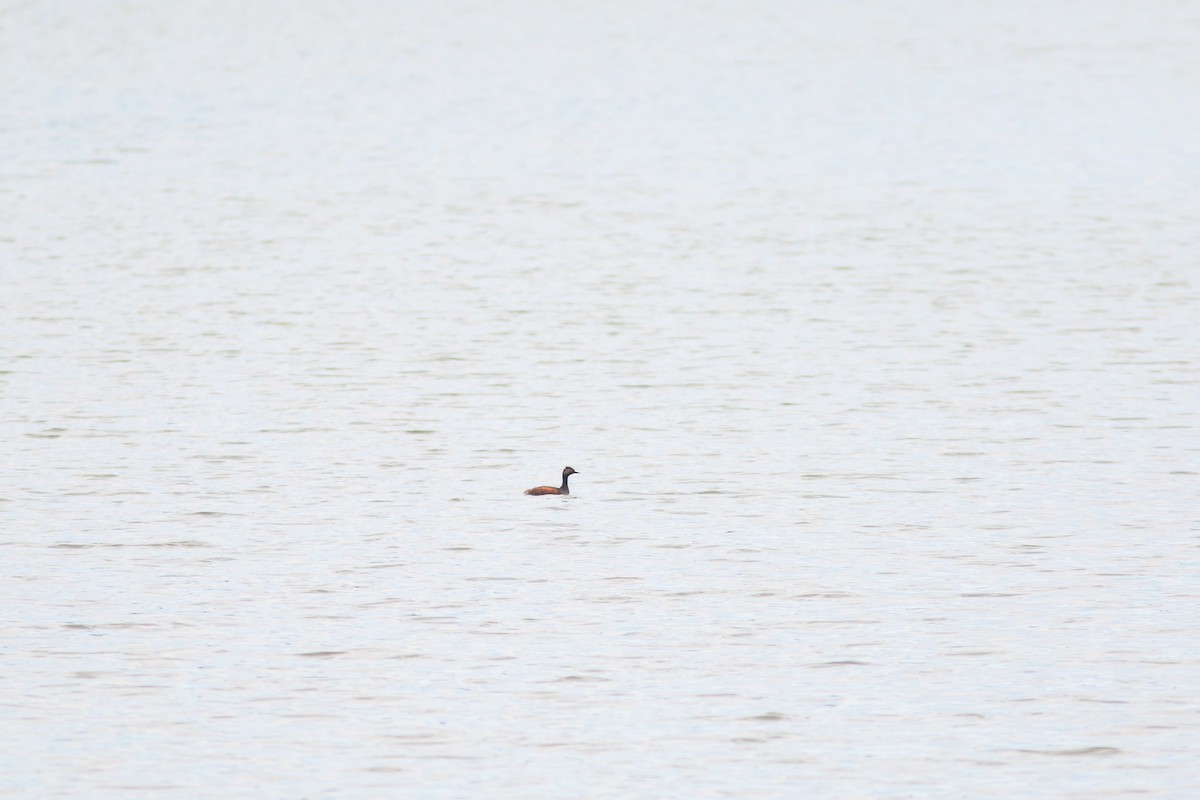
(871, 331)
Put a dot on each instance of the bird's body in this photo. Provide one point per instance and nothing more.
(546, 490)
(564, 489)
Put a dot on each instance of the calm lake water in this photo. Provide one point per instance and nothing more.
(871, 328)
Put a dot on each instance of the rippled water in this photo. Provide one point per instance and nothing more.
(870, 328)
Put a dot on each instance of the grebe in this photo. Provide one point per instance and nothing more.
(567, 472)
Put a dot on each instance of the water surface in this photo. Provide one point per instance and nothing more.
(871, 330)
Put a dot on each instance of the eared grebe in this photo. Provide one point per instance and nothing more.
(567, 472)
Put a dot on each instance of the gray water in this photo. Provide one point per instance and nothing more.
(871, 329)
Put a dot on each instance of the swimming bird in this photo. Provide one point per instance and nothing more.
(567, 472)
